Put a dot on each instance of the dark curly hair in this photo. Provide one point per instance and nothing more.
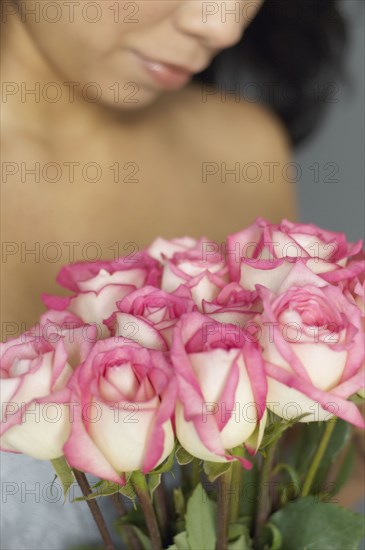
(291, 58)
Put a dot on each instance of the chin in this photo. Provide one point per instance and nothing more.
(133, 99)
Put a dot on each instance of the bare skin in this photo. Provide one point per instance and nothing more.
(176, 149)
(170, 149)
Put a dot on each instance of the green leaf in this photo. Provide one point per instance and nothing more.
(128, 490)
(166, 465)
(238, 537)
(181, 542)
(254, 441)
(358, 397)
(200, 520)
(64, 473)
(277, 539)
(108, 488)
(153, 481)
(103, 489)
(309, 524)
(182, 456)
(96, 484)
(275, 427)
(361, 393)
(240, 544)
(235, 530)
(214, 470)
(285, 488)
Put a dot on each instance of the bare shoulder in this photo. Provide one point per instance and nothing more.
(250, 141)
(240, 124)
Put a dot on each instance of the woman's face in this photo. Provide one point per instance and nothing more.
(129, 52)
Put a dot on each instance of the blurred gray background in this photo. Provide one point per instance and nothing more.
(339, 144)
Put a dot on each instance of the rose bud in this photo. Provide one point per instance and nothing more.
(136, 269)
(163, 249)
(91, 306)
(221, 386)
(126, 396)
(233, 305)
(314, 346)
(99, 285)
(77, 336)
(264, 253)
(203, 273)
(34, 401)
(148, 315)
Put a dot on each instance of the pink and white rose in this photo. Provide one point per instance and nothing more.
(221, 387)
(234, 305)
(92, 306)
(265, 253)
(126, 397)
(205, 275)
(100, 285)
(163, 250)
(34, 398)
(148, 315)
(138, 270)
(313, 346)
(78, 337)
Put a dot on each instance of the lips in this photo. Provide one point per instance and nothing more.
(169, 75)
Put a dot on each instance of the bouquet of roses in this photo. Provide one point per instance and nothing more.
(208, 386)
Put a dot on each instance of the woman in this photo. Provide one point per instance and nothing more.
(122, 120)
(106, 143)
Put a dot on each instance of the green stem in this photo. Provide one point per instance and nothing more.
(236, 486)
(195, 472)
(318, 457)
(95, 510)
(160, 504)
(223, 508)
(186, 483)
(264, 503)
(140, 486)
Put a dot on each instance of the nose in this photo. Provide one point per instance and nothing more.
(217, 24)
